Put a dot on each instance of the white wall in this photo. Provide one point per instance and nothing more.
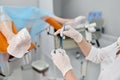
(110, 9)
(46, 4)
(57, 7)
(19, 2)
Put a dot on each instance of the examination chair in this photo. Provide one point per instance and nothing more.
(5, 70)
(4, 44)
(40, 67)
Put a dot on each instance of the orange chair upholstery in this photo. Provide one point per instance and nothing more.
(53, 23)
(4, 44)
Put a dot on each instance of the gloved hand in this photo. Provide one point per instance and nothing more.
(70, 32)
(61, 60)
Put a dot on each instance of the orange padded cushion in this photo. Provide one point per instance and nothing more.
(53, 23)
(3, 41)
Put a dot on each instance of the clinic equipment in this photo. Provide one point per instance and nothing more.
(97, 18)
(5, 17)
(56, 25)
(14, 40)
(62, 38)
(5, 69)
(29, 17)
(84, 65)
(40, 67)
(4, 43)
(86, 26)
(89, 28)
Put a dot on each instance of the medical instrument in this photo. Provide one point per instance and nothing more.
(89, 28)
(86, 26)
(84, 69)
(51, 34)
(62, 38)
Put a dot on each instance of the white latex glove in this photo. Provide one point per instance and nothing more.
(61, 60)
(70, 32)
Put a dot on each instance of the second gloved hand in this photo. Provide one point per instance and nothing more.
(61, 60)
(70, 32)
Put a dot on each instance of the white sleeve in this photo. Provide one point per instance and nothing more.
(97, 55)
